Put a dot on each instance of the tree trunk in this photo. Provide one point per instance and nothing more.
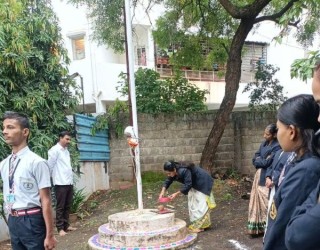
(232, 77)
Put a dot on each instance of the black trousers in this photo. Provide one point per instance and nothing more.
(64, 195)
(27, 232)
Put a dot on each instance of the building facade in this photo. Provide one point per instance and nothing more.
(99, 66)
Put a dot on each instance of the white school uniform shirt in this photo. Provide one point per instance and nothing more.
(31, 175)
(60, 165)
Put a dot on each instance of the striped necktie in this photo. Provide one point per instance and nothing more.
(288, 162)
(12, 164)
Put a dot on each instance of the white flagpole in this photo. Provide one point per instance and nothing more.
(133, 99)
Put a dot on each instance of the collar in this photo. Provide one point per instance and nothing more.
(22, 151)
(60, 146)
(304, 156)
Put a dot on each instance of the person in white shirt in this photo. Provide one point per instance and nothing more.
(62, 177)
(26, 189)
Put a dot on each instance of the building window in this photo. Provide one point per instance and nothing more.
(141, 56)
(78, 47)
(253, 54)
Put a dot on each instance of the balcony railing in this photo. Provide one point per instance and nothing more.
(192, 75)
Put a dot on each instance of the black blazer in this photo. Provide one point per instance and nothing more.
(280, 158)
(263, 158)
(193, 177)
(303, 229)
(301, 179)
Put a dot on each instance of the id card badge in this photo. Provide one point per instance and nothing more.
(10, 198)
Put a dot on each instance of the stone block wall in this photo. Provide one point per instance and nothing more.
(182, 137)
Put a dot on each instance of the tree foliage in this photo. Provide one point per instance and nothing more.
(115, 119)
(265, 92)
(303, 68)
(108, 25)
(224, 26)
(155, 95)
(33, 71)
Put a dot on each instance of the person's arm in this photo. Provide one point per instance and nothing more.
(257, 154)
(165, 186)
(50, 241)
(302, 231)
(186, 176)
(267, 161)
(174, 195)
(52, 159)
(163, 190)
(302, 178)
(270, 170)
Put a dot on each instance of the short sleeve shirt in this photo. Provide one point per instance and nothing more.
(31, 175)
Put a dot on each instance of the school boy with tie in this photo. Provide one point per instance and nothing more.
(26, 189)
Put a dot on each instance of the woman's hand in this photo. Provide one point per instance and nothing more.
(163, 190)
(161, 195)
(174, 195)
(269, 183)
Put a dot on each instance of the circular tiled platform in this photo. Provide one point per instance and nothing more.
(142, 230)
(187, 241)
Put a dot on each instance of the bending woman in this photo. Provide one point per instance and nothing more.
(259, 193)
(197, 184)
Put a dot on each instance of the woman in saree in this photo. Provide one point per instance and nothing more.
(262, 160)
(197, 184)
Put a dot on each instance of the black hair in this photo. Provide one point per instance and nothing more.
(64, 133)
(21, 118)
(172, 165)
(302, 112)
(272, 128)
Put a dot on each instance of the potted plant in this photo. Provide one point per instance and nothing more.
(78, 200)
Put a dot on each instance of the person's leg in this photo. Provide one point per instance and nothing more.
(31, 230)
(67, 208)
(60, 207)
(14, 230)
(34, 231)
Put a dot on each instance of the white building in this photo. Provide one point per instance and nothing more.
(100, 66)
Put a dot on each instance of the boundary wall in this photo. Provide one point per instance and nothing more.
(183, 136)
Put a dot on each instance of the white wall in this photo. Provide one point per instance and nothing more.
(94, 177)
(4, 232)
(282, 55)
(101, 66)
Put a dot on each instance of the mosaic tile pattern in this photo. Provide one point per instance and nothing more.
(106, 230)
(95, 244)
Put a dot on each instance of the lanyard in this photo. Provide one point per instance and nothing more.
(12, 175)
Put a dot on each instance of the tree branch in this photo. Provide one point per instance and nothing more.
(275, 16)
(226, 48)
(201, 11)
(248, 11)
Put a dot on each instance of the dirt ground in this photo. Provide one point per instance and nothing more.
(229, 218)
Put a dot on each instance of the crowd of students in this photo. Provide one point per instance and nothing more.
(284, 201)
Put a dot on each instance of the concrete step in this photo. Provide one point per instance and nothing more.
(140, 220)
